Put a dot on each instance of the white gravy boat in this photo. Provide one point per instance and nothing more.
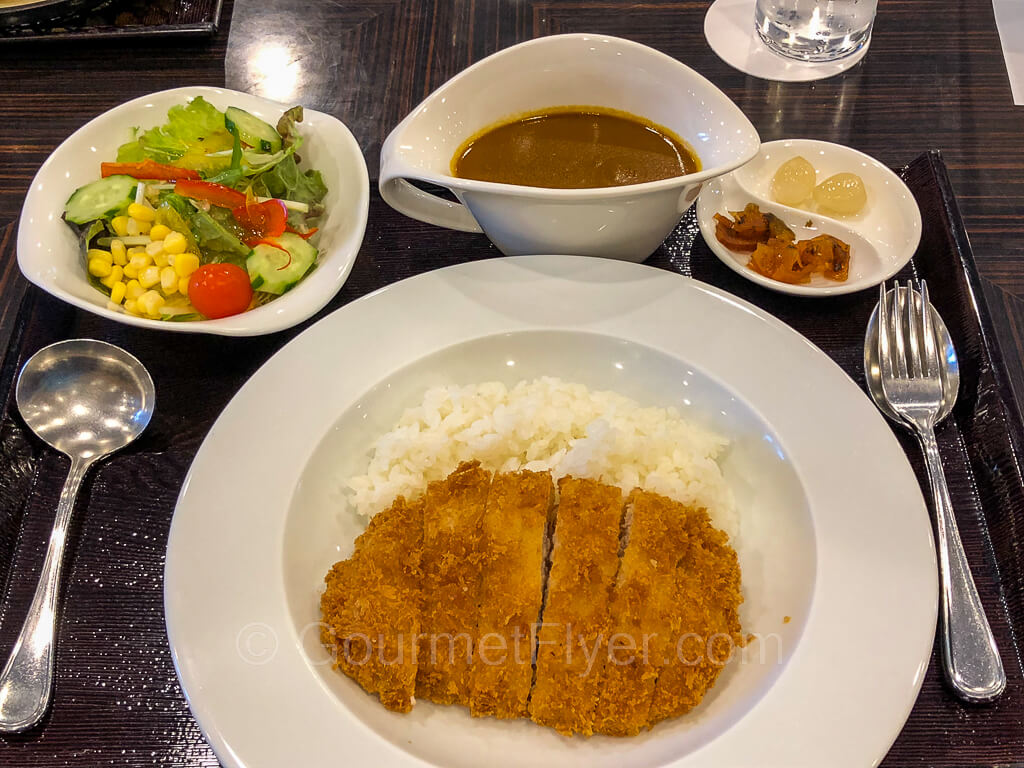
(627, 222)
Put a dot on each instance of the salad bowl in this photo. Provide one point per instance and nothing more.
(50, 253)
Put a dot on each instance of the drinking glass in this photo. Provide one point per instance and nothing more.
(815, 30)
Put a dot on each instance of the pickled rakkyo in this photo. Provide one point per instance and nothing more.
(793, 183)
(843, 193)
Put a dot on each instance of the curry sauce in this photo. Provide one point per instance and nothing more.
(574, 148)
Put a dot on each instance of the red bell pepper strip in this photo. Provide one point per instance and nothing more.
(216, 194)
(147, 169)
(261, 219)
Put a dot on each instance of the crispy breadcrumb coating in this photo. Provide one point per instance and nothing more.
(643, 612)
(573, 635)
(708, 599)
(371, 608)
(511, 589)
(452, 564)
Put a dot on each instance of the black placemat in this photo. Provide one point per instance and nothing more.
(117, 700)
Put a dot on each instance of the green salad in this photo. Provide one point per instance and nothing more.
(205, 216)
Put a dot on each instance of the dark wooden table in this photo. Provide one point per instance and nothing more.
(934, 78)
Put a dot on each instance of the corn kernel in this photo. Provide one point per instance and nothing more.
(96, 253)
(183, 286)
(99, 267)
(155, 247)
(149, 277)
(131, 307)
(141, 212)
(133, 290)
(168, 281)
(120, 259)
(185, 263)
(117, 247)
(116, 273)
(120, 225)
(150, 302)
(114, 307)
(131, 271)
(140, 260)
(117, 292)
(145, 227)
(161, 260)
(159, 231)
(132, 230)
(135, 250)
(175, 242)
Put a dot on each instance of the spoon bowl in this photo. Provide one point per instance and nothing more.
(949, 371)
(87, 399)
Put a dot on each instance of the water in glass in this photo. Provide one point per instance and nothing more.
(814, 30)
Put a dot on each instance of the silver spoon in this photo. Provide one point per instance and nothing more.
(87, 399)
(949, 373)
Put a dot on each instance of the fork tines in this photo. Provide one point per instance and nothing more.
(907, 347)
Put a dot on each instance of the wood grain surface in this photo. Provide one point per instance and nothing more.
(934, 78)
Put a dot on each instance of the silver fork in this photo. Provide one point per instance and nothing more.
(909, 362)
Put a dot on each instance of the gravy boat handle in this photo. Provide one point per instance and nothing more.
(417, 204)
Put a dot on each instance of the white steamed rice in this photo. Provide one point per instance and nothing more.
(546, 424)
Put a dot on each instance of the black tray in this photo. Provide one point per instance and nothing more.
(117, 699)
(117, 19)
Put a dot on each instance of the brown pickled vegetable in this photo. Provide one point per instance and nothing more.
(775, 251)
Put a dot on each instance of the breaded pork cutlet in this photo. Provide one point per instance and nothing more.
(639, 612)
(514, 526)
(371, 607)
(708, 599)
(571, 640)
(452, 564)
(644, 614)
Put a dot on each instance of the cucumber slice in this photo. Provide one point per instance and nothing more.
(276, 270)
(252, 130)
(100, 199)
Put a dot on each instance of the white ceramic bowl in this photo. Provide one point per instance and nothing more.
(619, 222)
(48, 249)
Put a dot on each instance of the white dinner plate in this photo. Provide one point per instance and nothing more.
(835, 544)
(890, 222)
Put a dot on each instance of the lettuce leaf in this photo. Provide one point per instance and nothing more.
(86, 236)
(216, 242)
(213, 239)
(287, 182)
(191, 132)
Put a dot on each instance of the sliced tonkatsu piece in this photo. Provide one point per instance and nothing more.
(644, 613)
(573, 633)
(519, 508)
(708, 598)
(370, 609)
(452, 563)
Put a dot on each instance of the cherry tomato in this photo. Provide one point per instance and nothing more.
(219, 290)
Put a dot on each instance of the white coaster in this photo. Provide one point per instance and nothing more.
(729, 29)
